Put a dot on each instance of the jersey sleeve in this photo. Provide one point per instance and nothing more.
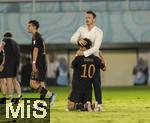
(75, 62)
(36, 43)
(96, 45)
(99, 63)
(76, 35)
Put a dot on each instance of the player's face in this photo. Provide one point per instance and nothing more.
(89, 19)
(30, 28)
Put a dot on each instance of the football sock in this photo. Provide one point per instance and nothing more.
(4, 95)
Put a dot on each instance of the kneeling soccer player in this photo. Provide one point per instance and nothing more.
(84, 72)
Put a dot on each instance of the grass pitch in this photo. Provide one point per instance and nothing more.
(121, 104)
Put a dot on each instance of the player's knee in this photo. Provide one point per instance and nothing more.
(71, 105)
(32, 84)
(43, 84)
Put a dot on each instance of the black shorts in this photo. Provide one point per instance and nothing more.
(10, 70)
(80, 97)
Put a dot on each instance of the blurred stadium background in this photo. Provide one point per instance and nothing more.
(126, 26)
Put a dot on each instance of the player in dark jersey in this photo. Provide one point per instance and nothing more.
(10, 63)
(84, 72)
(97, 106)
(38, 61)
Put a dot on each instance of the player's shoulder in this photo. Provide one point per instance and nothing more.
(76, 60)
(7, 40)
(95, 58)
(4, 40)
(79, 57)
(37, 35)
(98, 29)
(14, 42)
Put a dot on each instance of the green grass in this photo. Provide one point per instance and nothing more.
(121, 104)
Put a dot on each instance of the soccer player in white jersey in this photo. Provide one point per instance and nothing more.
(95, 34)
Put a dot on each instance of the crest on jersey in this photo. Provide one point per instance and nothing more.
(34, 41)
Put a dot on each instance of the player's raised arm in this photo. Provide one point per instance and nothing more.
(96, 45)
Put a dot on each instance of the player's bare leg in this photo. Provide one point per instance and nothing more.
(10, 87)
(18, 89)
(3, 87)
(4, 90)
(17, 86)
(43, 84)
(71, 105)
(34, 84)
(75, 106)
(79, 106)
(43, 91)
